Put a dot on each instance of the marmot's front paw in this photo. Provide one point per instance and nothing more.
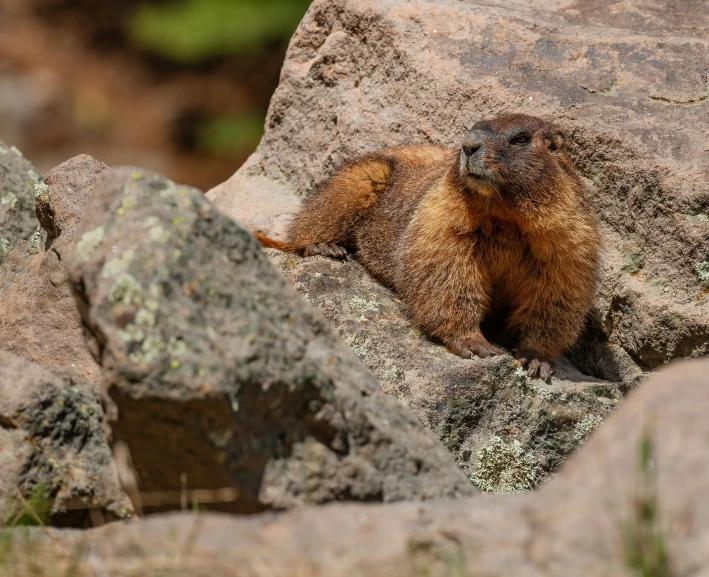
(326, 249)
(468, 347)
(536, 366)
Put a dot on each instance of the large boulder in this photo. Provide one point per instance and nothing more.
(17, 179)
(220, 372)
(630, 502)
(472, 406)
(38, 316)
(53, 448)
(627, 83)
(364, 74)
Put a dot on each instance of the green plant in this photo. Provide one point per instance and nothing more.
(645, 538)
(192, 31)
(228, 135)
(31, 512)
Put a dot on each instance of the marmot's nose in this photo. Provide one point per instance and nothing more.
(470, 149)
(472, 142)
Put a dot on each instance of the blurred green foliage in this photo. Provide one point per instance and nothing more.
(31, 512)
(192, 31)
(230, 135)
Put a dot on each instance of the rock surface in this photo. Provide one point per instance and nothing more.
(628, 83)
(53, 446)
(220, 372)
(38, 316)
(468, 404)
(634, 491)
(17, 178)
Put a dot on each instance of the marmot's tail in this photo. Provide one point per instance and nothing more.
(270, 243)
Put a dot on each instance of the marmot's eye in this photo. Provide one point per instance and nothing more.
(523, 138)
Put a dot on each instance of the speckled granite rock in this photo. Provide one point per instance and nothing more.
(470, 404)
(220, 371)
(53, 446)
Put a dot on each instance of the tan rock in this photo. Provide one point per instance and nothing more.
(38, 316)
(608, 511)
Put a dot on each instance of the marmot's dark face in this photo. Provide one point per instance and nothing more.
(520, 158)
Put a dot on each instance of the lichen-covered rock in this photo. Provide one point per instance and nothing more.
(17, 179)
(630, 502)
(53, 446)
(467, 403)
(220, 371)
(365, 74)
(38, 316)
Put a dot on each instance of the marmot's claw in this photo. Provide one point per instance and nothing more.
(326, 249)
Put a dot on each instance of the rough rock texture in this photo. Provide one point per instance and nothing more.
(218, 370)
(38, 316)
(635, 490)
(53, 446)
(466, 403)
(17, 177)
(628, 81)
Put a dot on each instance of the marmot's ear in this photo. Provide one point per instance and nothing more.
(556, 140)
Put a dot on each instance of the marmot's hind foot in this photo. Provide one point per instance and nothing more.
(536, 366)
(326, 249)
(468, 347)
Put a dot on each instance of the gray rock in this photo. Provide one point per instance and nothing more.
(632, 498)
(53, 446)
(219, 371)
(17, 179)
(467, 403)
(38, 316)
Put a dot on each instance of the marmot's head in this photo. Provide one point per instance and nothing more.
(521, 158)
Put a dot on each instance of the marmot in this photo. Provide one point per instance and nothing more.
(496, 230)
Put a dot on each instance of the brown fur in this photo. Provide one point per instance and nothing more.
(496, 230)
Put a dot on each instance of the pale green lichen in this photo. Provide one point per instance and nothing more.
(126, 204)
(702, 270)
(363, 306)
(520, 378)
(150, 349)
(391, 374)
(152, 305)
(34, 176)
(36, 239)
(159, 234)
(551, 395)
(126, 290)
(131, 334)
(585, 427)
(145, 318)
(359, 350)
(505, 468)
(176, 347)
(5, 246)
(156, 231)
(9, 199)
(88, 243)
(16, 151)
(118, 265)
(40, 189)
